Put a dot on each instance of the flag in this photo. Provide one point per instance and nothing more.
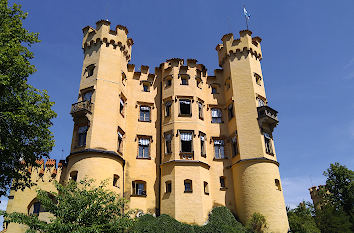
(246, 13)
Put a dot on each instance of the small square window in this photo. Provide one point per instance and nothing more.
(87, 96)
(146, 88)
(184, 81)
(139, 188)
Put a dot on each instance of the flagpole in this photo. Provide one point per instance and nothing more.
(246, 17)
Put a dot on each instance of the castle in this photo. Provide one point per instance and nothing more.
(175, 141)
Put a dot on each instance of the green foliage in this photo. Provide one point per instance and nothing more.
(25, 112)
(257, 223)
(78, 208)
(220, 220)
(329, 220)
(301, 219)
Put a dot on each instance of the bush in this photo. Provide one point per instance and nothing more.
(257, 223)
(220, 220)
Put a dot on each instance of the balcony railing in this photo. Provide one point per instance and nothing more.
(268, 116)
(187, 155)
(83, 106)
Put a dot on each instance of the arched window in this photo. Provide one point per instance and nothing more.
(206, 188)
(73, 176)
(35, 207)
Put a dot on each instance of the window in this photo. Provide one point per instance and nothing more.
(87, 96)
(184, 81)
(230, 111)
(186, 141)
(185, 107)
(188, 186)
(219, 149)
(36, 208)
(200, 110)
(213, 90)
(168, 140)
(277, 184)
(258, 79)
(121, 106)
(234, 146)
(124, 78)
(82, 133)
(120, 140)
(206, 188)
(202, 145)
(73, 176)
(168, 83)
(90, 69)
(146, 87)
(199, 83)
(144, 148)
(216, 115)
(115, 180)
(261, 102)
(222, 182)
(139, 188)
(168, 108)
(144, 113)
(168, 186)
(268, 144)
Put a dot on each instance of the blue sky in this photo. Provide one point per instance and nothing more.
(308, 65)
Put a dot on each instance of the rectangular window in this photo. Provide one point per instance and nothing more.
(87, 96)
(121, 106)
(268, 144)
(260, 102)
(90, 69)
(184, 81)
(168, 83)
(234, 146)
(213, 90)
(144, 113)
(202, 145)
(36, 208)
(139, 188)
(144, 148)
(186, 141)
(222, 182)
(230, 111)
(185, 107)
(82, 133)
(200, 110)
(120, 142)
(168, 187)
(168, 108)
(216, 115)
(219, 149)
(116, 181)
(168, 140)
(188, 186)
(206, 188)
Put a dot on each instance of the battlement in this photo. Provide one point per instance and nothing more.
(48, 170)
(179, 62)
(240, 47)
(104, 35)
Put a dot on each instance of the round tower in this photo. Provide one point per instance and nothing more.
(255, 169)
(95, 150)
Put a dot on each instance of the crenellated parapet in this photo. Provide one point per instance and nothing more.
(45, 171)
(103, 34)
(239, 47)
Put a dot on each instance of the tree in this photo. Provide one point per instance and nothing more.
(25, 112)
(257, 223)
(78, 208)
(329, 220)
(301, 219)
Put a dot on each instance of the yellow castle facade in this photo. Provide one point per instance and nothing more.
(173, 140)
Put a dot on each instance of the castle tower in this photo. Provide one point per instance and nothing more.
(94, 149)
(255, 169)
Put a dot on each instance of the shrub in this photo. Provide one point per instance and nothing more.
(257, 223)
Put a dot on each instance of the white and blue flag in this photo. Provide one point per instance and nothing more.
(246, 13)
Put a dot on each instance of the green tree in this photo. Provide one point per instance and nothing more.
(78, 208)
(25, 112)
(257, 223)
(301, 219)
(330, 220)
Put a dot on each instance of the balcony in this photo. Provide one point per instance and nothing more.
(79, 108)
(267, 117)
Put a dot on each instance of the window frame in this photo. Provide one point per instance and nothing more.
(144, 118)
(202, 145)
(120, 144)
(135, 192)
(168, 152)
(230, 111)
(186, 154)
(219, 148)
(116, 180)
(206, 188)
(82, 136)
(222, 181)
(200, 110)
(168, 108)
(144, 148)
(180, 109)
(216, 120)
(168, 186)
(268, 143)
(190, 190)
